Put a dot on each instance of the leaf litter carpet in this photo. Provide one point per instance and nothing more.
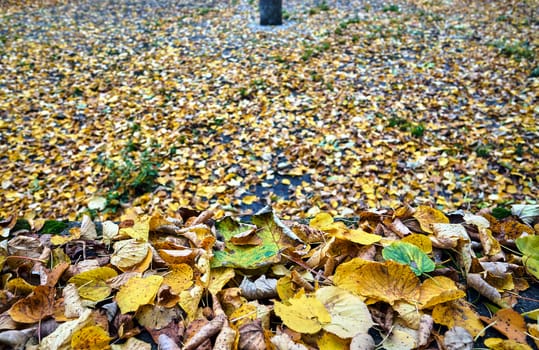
(348, 105)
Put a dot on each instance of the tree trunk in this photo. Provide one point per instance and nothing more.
(271, 13)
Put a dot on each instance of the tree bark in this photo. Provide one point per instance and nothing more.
(271, 13)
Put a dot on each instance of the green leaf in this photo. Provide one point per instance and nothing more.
(250, 256)
(528, 245)
(501, 213)
(409, 254)
(53, 227)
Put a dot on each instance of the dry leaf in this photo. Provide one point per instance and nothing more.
(261, 288)
(428, 216)
(35, 307)
(458, 338)
(458, 313)
(388, 281)
(304, 314)
(349, 314)
(362, 342)
(252, 336)
(137, 292)
(92, 284)
(90, 338)
(510, 323)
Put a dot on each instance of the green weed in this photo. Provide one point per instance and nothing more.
(391, 8)
(134, 174)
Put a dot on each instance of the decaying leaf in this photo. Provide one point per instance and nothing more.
(35, 307)
(252, 336)
(510, 323)
(362, 341)
(284, 342)
(475, 281)
(129, 253)
(458, 313)
(90, 338)
(261, 288)
(458, 338)
(428, 216)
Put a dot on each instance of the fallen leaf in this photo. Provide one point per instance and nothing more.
(179, 278)
(428, 216)
(137, 292)
(458, 313)
(409, 254)
(388, 281)
(303, 313)
(349, 314)
(510, 323)
(458, 338)
(35, 307)
(92, 284)
(90, 338)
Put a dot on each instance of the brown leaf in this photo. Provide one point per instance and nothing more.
(510, 323)
(252, 336)
(35, 307)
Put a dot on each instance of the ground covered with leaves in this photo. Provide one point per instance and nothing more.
(122, 114)
(170, 104)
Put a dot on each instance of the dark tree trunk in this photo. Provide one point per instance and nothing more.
(271, 13)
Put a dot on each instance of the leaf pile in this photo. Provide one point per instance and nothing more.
(399, 279)
(168, 104)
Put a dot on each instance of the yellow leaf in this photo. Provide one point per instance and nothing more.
(457, 313)
(138, 291)
(388, 281)
(330, 341)
(92, 284)
(248, 200)
(419, 240)
(437, 290)
(19, 286)
(219, 277)
(305, 314)
(349, 314)
(179, 278)
(90, 338)
(189, 300)
(501, 344)
(129, 253)
(285, 288)
(321, 221)
(140, 229)
(362, 237)
(428, 216)
(74, 233)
